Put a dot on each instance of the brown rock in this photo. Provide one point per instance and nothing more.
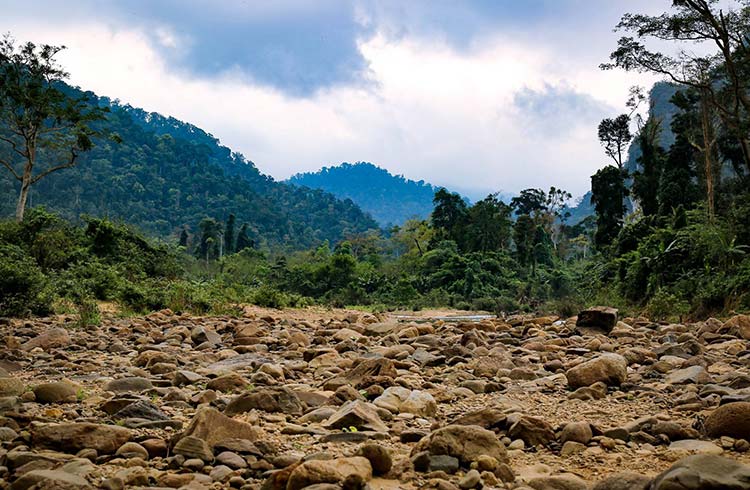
(334, 471)
(465, 442)
(214, 427)
(73, 437)
(610, 369)
(732, 419)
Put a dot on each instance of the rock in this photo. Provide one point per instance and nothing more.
(334, 471)
(398, 399)
(533, 431)
(577, 432)
(11, 387)
(558, 482)
(271, 399)
(59, 392)
(610, 369)
(194, 447)
(141, 409)
(214, 427)
(487, 418)
(696, 446)
(738, 325)
(73, 437)
(420, 403)
(465, 442)
(624, 481)
(358, 414)
(732, 419)
(369, 369)
(692, 374)
(129, 385)
(232, 460)
(53, 338)
(378, 456)
(704, 472)
(571, 447)
(472, 479)
(601, 318)
(228, 383)
(132, 450)
(50, 479)
(443, 462)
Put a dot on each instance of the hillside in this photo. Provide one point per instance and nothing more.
(167, 174)
(390, 199)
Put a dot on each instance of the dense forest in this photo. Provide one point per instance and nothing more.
(163, 176)
(390, 199)
(670, 234)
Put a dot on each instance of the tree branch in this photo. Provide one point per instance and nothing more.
(10, 167)
(69, 164)
(14, 145)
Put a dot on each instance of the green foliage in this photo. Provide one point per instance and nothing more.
(24, 289)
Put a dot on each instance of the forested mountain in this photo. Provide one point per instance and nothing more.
(390, 199)
(167, 174)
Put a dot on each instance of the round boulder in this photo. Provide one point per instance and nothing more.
(610, 369)
(732, 419)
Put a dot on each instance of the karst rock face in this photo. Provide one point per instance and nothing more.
(292, 399)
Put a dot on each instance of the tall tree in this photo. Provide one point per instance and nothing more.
(229, 236)
(42, 130)
(614, 135)
(607, 194)
(243, 239)
(529, 201)
(646, 179)
(489, 225)
(449, 215)
(719, 72)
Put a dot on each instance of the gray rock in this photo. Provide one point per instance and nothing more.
(704, 472)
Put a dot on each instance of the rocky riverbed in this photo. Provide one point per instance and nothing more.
(330, 399)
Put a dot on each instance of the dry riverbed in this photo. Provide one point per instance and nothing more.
(330, 399)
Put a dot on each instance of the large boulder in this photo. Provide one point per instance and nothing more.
(58, 392)
(738, 325)
(704, 472)
(333, 471)
(610, 369)
(598, 318)
(402, 400)
(275, 399)
(214, 427)
(52, 338)
(50, 479)
(357, 414)
(72, 437)
(732, 419)
(464, 442)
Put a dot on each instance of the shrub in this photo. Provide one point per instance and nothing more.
(269, 297)
(24, 289)
(663, 305)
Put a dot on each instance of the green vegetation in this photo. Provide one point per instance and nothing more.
(671, 235)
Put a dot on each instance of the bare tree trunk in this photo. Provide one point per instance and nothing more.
(23, 197)
(709, 140)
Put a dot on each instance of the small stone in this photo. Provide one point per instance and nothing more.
(471, 480)
(132, 450)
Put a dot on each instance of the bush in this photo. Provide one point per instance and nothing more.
(24, 289)
(664, 305)
(269, 297)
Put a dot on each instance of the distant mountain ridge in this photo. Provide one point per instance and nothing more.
(390, 199)
(167, 174)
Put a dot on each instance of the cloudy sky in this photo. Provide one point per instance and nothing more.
(487, 95)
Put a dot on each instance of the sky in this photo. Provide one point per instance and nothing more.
(479, 96)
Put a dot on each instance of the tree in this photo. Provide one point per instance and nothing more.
(449, 215)
(614, 135)
(721, 75)
(607, 194)
(42, 130)
(184, 238)
(524, 232)
(243, 239)
(209, 247)
(646, 180)
(229, 238)
(489, 225)
(529, 201)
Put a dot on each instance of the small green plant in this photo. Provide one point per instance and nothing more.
(80, 394)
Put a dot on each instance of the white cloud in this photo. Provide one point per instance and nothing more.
(430, 113)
